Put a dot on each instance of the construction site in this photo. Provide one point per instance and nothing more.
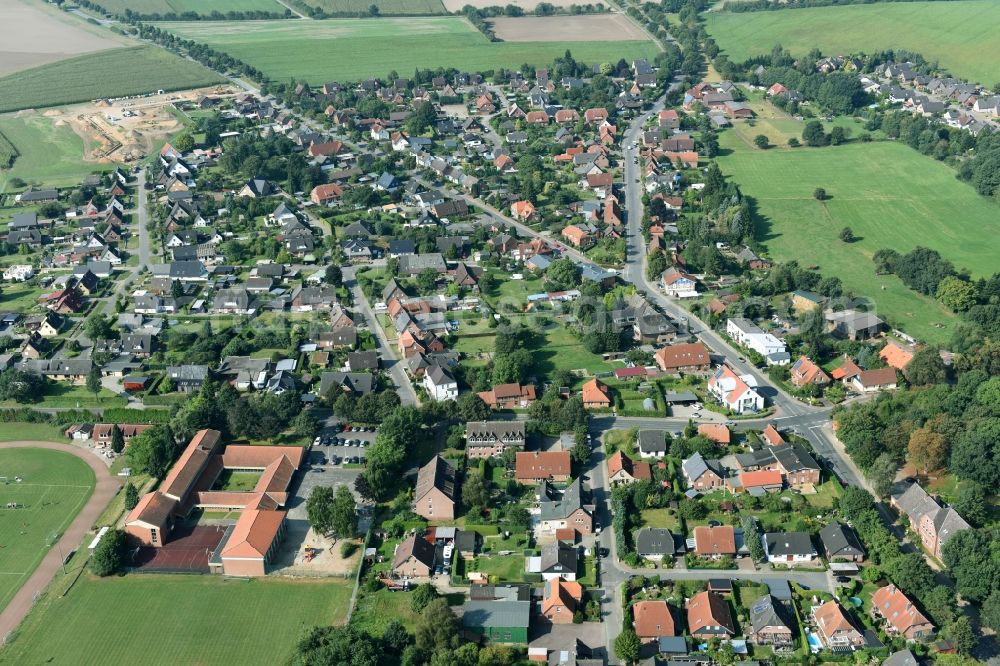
(126, 130)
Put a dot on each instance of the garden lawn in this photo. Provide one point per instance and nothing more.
(190, 620)
(890, 195)
(111, 73)
(559, 349)
(47, 154)
(341, 49)
(508, 568)
(54, 487)
(39, 432)
(661, 518)
(826, 495)
(960, 35)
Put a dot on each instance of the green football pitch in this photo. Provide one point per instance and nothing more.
(34, 510)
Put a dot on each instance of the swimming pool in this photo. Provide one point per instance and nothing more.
(814, 643)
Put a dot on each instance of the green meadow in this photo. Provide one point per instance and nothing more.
(352, 49)
(54, 487)
(162, 619)
(48, 153)
(961, 35)
(890, 195)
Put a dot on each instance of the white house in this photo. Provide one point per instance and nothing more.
(18, 272)
(735, 391)
(679, 284)
(440, 384)
(788, 547)
(749, 335)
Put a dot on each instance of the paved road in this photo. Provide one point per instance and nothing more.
(404, 388)
(106, 488)
(142, 219)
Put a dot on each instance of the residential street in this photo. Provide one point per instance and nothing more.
(395, 367)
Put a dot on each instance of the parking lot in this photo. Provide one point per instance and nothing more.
(344, 445)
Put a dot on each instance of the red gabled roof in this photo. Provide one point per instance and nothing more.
(538, 465)
(253, 534)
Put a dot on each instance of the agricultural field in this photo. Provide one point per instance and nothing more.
(890, 195)
(48, 152)
(54, 487)
(340, 49)
(385, 7)
(115, 621)
(203, 7)
(961, 35)
(112, 73)
(526, 5)
(33, 34)
(582, 28)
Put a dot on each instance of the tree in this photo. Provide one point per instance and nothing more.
(475, 494)
(427, 280)
(21, 387)
(973, 559)
(562, 274)
(472, 408)
(927, 450)
(319, 509)
(117, 439)
(94, 381)
(819, 194)
(343, 514)
(962, 635)
(656, 264)
(333, 275)
(853, 501)
(628, 646)
(957, 294)
(305, 424)
(793, 142)
(752, 538)
(971, 502)
(151, 451)
(183, 143)
(99, 327)
(847, 235)
(422, 595)
(131, 496)
(838, 135)
(813, 134)
(109, 555)
(761, 142)
(926, 368)
(395, 636)
(437, 627)
(580, 453)
(882, 473)
(990, 612)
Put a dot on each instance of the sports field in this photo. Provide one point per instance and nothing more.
(161, 619)
(112, 73)
(890, 195)
(961, 35)
(203, 7)
(54, 487)
(342, 49)
(47, 153)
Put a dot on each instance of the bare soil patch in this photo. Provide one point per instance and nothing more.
(526, 5)
(33, 35)
(127, 130)
(583, 28)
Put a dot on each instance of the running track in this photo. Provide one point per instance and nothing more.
(106, 488)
